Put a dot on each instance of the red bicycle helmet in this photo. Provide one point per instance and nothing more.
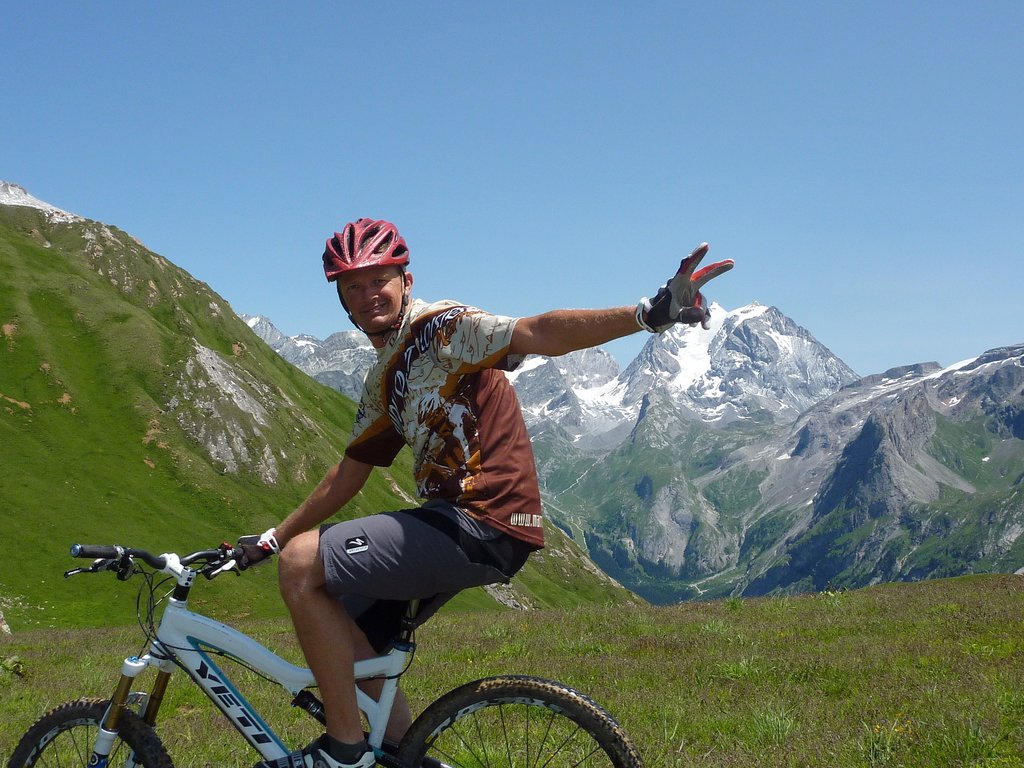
(364, 243)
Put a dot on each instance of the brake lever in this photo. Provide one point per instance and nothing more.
(223, 567)
(228, 562)
(103, 564)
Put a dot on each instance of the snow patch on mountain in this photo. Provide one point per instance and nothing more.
(15, 194)
(339, 361)
(751, 363)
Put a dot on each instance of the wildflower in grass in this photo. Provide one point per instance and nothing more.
(883, 741)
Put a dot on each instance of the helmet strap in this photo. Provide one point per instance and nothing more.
(344, 306)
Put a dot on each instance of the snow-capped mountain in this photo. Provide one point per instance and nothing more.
(910, 474)
(14, 194)
(578, 393)
(339, 361)
(266, 330)
(753, 360)
(747, 458)
(923, 462)
(744, 459)
(752, 363)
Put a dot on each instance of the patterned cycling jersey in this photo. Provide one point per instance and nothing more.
(438, 387)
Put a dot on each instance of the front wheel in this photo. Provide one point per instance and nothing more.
(517, 722)
(64, 737)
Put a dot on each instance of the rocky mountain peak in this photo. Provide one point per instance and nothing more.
(828, 478)
(339, 361)
(753, 362)
(266, 330)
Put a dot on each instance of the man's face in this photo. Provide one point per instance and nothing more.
(374, 296)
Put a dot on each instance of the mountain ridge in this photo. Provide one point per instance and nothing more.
(681, 481)
(136, 408)
(772, 448)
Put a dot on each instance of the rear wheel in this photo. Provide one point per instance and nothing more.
(65, 736)
(517, 722)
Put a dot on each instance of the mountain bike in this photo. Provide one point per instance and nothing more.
(507, 720)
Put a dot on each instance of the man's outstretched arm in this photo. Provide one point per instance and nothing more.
(566, 330)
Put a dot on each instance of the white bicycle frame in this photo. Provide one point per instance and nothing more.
(194, 640)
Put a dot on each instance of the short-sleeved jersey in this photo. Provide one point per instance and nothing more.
(438, 387)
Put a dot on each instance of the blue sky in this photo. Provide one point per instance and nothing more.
(862, 162)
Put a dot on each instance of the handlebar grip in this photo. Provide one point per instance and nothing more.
(96, 551)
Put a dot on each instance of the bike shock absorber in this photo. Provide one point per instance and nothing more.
(309, 703)
(130, 670)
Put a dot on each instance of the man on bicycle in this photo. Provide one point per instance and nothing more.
(439, 387)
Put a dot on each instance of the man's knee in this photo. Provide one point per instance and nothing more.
(299, 568)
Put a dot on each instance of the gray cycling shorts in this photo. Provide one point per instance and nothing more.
(376, 564)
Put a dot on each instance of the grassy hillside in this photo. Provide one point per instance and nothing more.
(94, 342)
(929, 675)
(136, 408)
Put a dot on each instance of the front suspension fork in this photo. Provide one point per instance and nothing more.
(121, 701)
(156, 697)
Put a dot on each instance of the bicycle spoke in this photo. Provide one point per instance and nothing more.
(508, 744)
(537, 723)
(571, 737)
(83, 746)
(73, 748)
(76, 745)
(466, 745)
(482, 741)
(547, 732)
(516, 736)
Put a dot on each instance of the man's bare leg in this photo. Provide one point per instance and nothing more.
(331, 642)
(325, 633)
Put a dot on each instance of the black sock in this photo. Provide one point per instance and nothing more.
(345, 753)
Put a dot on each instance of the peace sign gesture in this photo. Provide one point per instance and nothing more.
(680, 299)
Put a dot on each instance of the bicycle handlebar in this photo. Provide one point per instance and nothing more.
(95, 551)
(216, 560)
(108, 552)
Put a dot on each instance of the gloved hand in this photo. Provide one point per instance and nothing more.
(257, 549)
(680, 299)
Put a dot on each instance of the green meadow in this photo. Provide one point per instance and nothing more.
(915, 675)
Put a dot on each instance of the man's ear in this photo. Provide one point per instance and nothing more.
(408, 281)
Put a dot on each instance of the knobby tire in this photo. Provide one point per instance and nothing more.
(65, 735)
(517, 722)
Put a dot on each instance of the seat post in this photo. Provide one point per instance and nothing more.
(408, 625)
